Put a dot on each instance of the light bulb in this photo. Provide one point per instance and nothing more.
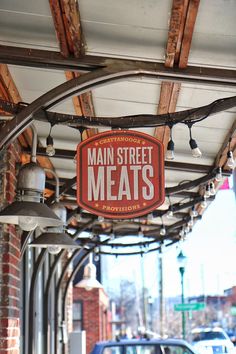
(170, 214)
(186, 229)
(193, 212)
(50, 151)
(196, 152)
(204, 203)
(212, 189)
(96, 257)
(78, 217)
(150, 217)
(112, 235)
(140, 232)
(190, 223)
(230, 160)
(88, 288)
(54, 249)
(27, 223)
(170, 150)
(219, 174)
(207, 193)
(163, 231)
(75, 158)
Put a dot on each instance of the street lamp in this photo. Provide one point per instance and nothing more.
(182, 259)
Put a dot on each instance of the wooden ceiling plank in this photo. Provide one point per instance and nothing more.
(72, 23)
(10, 87)
(181, 31)
(176, 28)
(188, 33)
(183, 16)
(13, 95)
(59, 27)
(170, 91)
(167, 103)
(67, 12)
(221, 157)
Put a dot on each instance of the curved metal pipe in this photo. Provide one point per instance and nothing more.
(32, 299)
(34, 143)
(24, 241)
(57, 197)
(78, 85)
(48, 288)
(58, 290)
(63, 310)
(191, 184)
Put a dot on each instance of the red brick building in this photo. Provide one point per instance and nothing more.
(95, 315)
(9, 258)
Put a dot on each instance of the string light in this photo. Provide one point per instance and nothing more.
(163, 230)
(212, 188)
(50, 151)
(219, 176)
(196, 152)
(186, 229)
(207, 192)
(181, 233)
(230, 157)
(140, 232)
(112, 235)
(170, 148)
(193, 212)
(190, 223)
(230, 160)
(204, 203)
(170, 213)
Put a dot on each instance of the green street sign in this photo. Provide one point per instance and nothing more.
(233, 310)
(194, 306)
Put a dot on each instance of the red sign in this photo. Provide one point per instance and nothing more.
(120, 174)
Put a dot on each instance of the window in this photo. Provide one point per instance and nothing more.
(113, 350)
(77, 316)
(140, 349)
(208, 335)
(174, 349)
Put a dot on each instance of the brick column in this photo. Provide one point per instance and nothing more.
(9, 259)
(95, 315)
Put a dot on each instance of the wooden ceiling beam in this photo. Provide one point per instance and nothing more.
(175, 33)
(72, 24)
(221, 157)
(191, 16)
(9, 89)
(37, 58)
(183, 16)
(59, 27)
(66, 18)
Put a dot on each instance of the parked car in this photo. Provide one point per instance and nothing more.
(144, 346)
(232, 335)
(212, 341)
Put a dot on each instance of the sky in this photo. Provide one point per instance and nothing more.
(210, 250)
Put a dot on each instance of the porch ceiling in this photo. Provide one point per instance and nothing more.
(181, 35)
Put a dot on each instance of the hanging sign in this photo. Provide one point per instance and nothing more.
(120, 174)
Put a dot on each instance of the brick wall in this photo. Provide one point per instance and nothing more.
(9, 258)
(95, 315)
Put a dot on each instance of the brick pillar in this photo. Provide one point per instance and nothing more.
(95, 315)
(9, 259)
